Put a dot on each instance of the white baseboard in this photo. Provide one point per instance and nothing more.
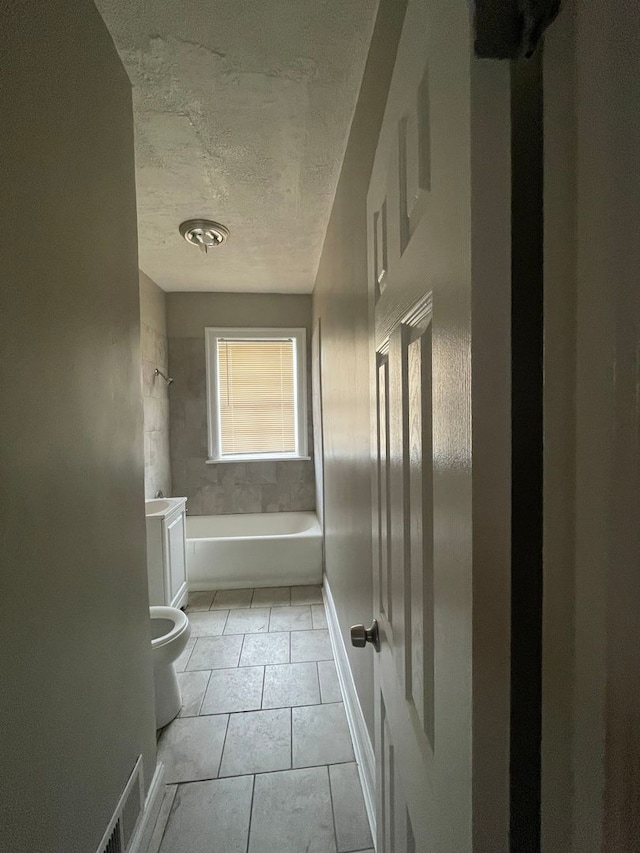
(170, 792)
(363, 748)
(152, 804)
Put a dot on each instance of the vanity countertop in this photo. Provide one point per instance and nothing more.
(161, 507)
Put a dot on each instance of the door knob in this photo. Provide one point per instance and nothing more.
(360, 636)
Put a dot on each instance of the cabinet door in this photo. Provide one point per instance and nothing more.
(175, 568)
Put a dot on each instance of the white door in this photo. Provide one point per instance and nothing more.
(438, 210)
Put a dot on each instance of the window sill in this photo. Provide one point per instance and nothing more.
(226, 459)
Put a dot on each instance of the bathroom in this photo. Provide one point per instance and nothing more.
(352, 654)
(234, 494)
(245, 681)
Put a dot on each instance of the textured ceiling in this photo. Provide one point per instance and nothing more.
(242, 111)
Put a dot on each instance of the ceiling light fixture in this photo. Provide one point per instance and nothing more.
(204, 233)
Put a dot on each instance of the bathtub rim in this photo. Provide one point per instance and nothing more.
(310, 532)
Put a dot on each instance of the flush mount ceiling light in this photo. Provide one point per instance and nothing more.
(204, 233)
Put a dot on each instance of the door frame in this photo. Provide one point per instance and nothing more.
(527, 451)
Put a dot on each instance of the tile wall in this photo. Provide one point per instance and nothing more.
(221, 488)
(155, 393)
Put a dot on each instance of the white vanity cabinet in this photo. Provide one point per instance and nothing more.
(166, 551)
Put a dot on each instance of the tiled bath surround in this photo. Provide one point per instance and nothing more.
(234, 487)
(154, 354)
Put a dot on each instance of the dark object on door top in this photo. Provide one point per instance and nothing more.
(511, 29)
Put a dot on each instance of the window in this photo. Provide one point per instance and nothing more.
(256, 386)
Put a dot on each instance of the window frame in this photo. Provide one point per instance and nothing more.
(299, 336)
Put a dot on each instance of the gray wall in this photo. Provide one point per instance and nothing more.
(227, 487)
(155, 391)
(606, 687)
(340, 301)
(75, 651)
(560, 156)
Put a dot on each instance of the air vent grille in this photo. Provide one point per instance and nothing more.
(114, 844)
(119, 833)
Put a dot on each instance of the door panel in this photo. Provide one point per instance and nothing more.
(398, 515)
(438, 750)
(414, 161)
(383, 576)
(420, 568)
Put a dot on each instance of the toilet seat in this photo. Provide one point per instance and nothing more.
(165, 649)
(171, 614)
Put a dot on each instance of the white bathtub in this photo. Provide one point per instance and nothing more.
(253, 550)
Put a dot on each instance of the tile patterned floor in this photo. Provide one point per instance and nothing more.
(260, 758)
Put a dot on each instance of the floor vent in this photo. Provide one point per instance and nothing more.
(118, 835)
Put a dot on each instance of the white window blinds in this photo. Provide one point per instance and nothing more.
(257, 396)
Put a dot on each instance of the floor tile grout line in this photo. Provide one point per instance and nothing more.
(319, 688)
(291, 737)
(246, 666)
(224, 743)
(242, 607)
(204, 694)
(264, 672)
(186, 663)
(244, 636)
(269, 631)
(262, 708)
(253, 793)
(260, 633)
(242, 633)
(333, 809)
(255, 710)
(265, 773)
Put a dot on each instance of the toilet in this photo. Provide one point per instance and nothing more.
(170, 631)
